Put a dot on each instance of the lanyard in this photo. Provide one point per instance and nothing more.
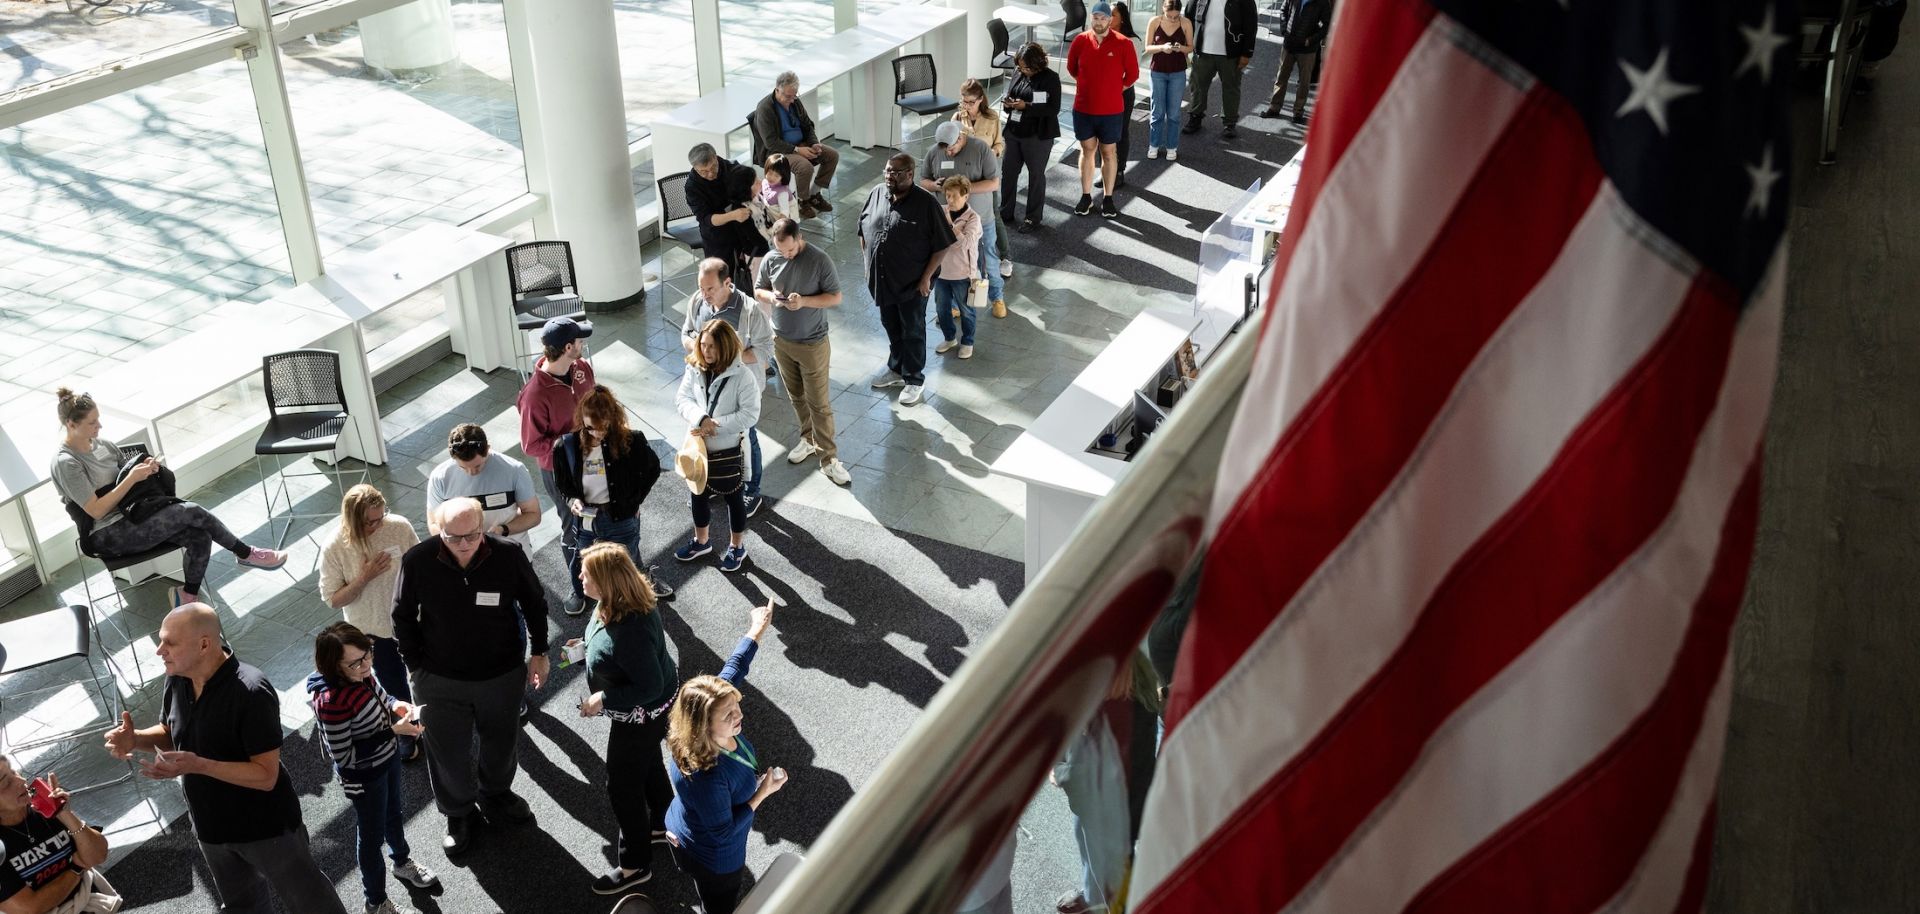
(751, 761)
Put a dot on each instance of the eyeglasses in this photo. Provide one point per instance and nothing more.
(898, 171)
(459, 538)
(365, 661)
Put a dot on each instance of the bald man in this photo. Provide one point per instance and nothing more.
(466, 605)
(219, 733)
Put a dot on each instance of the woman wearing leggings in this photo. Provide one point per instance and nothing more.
(720, 399)
(86, 470)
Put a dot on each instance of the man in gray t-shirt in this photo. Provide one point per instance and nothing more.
(797, 281)
(955, 152)
(500, 483)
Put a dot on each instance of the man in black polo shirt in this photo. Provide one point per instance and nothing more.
(903, 230)
(219, 732)
(466, 603)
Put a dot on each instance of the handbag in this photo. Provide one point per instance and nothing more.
(726, 471)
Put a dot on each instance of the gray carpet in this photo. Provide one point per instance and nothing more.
(872, 622)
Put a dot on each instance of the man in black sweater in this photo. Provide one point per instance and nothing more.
(466, 605)
(1224, 33)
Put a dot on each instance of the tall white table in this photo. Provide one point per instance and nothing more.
(1052, 456)
(473, 284)
(1029, 16)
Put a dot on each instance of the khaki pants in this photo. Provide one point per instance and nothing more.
(1305, 63)
(803, 368)
(806, 174)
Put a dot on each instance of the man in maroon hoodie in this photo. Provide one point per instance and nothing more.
(1103, 64)
(561, 379)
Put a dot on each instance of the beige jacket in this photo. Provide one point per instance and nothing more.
(986, 127)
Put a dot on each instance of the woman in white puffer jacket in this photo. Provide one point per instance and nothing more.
(720, 399)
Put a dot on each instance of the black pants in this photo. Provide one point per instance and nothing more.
(1029, 154)
(1127, 99)
(906, 325)
(719, 892)
(736, 510)
(638, 788)
(1883, 31)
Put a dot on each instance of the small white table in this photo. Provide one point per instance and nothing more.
(1053, 457)
(1029, 16)
(26, 458)
(474, 287)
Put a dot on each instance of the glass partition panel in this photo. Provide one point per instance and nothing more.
(403, 123)
(656, 60)
(42, 41)
(127, 220)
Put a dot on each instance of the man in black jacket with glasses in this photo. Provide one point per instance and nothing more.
(1224, 45)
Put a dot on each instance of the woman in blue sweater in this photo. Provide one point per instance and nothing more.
(630, 679)
(360, 724)
(717, 778)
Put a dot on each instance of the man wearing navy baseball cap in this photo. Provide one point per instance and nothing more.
(561, 379)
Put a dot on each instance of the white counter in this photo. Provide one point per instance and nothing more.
(1063, 479)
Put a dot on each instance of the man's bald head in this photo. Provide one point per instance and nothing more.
(455, 508)
(197, 620)
(190, 642)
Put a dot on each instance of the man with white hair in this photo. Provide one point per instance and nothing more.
(466, 606)
(781, 124)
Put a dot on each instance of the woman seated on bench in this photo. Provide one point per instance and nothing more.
(86, 470)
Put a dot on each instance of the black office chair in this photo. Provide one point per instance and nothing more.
(1002, 59)
(914, 86)
(306, 412)
(542, 278)
(1076, 11)
(54, 636)
(676, 222)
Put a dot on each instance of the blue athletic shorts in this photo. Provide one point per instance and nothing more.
(1105, 126)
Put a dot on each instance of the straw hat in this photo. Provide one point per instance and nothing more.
(691, 463)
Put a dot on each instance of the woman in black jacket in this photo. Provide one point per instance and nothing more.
(604, 469)
(1033, 122)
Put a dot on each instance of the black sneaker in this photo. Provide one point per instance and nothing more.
(1086, 205)
(1299, 117)
(617, 880)
(1271, 111)
(459, 836)
(1107, 209)
(1229, 132)
(1193, 126)
(512, 810)
(753, 504)
(1029, 225)
(661, 589)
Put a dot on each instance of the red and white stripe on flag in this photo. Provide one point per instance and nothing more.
(1483, 528)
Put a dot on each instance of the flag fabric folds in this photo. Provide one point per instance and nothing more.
(1476, 549)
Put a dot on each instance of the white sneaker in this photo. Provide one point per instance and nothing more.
(1173, 155)
(945, 347)
(1006, 268)
(837, 471)
(888, 379)
(388, 907)
(1153, 152)
(911, 395)
(413, 874)
(802, 451)
(966, 352)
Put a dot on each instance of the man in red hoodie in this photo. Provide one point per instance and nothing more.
(561, 379)
(1103, 64)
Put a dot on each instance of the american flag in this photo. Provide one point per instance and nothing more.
(1474, 556)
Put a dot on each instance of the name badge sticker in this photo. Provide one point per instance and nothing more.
(484, 598)
(495, 500)
(946, 165)
(1039, 98)
(1013, 117)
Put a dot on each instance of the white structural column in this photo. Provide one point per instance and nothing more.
(411, 37)
(269, 82)
(979, 43)
(574, 82)
(846, 15)
(709, 64)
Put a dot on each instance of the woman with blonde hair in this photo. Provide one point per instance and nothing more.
(630, 681)
(983, 123)
(604, 469)
(358, 570)
(720, 399)
(717, 778)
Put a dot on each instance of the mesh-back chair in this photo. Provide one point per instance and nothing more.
(676, 222)
(306, 411)
(54, 636)
(542, 278)
(1076, 21)
(1833, 34)
(115, 565)
(914, 86)
(829, 223)
(1002, 60)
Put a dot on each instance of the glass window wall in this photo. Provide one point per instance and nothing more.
(42, 41)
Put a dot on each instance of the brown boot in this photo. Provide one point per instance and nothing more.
(820, 202)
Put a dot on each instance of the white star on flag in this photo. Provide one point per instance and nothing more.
(1763, 176)
(1762, 43)
(1652, 90)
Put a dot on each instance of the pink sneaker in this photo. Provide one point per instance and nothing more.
(178, 597)
(264, 558)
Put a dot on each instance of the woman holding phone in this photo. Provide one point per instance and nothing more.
(1169, 40)
(51, 855)
(87, 469)
(631, 679)
(361, 726)
(1033, 122)
(358, 569)
(718, 780)
(603, 468)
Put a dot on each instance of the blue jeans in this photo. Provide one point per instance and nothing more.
(949, 294)
(1163, 118)
(990, 259)
(625, 532)
(381, 820)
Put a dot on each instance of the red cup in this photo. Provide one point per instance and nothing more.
(40, 794)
